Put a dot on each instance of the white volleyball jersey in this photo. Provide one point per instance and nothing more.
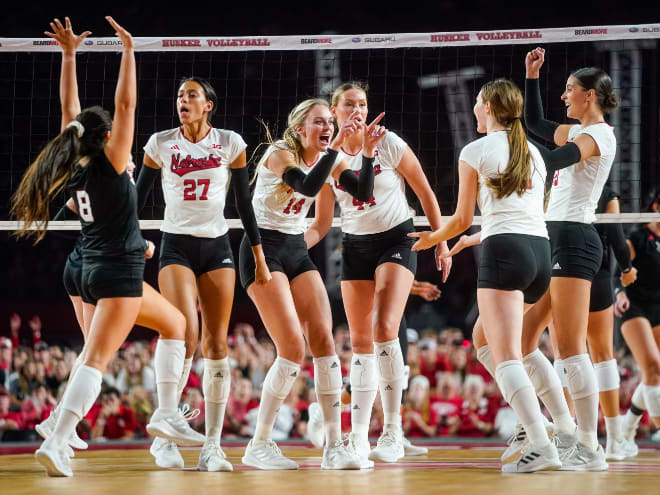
(195, 179)
(576, 189)
(388, 206)
(289, 216)
(515, 214)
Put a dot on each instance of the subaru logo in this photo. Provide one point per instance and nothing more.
(633, 29)
(356, 40)
(89, 42)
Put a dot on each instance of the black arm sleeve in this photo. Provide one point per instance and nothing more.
(359, 185)
(240, 183)
(65, 213)
(144, 184)
(534, 112)
(310, 184)
(617, 241)
(560, 157)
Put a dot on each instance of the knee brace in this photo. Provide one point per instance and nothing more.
(82, 391)
(607, 375)
(511, 378)
(390, 360)
(168, 360)
(280, 377)
(216, 382)
(559, 369)
(327, 375)
(540, 372)
(485, 357)
(364, 374)
(638, 402)
(652, 399)
(580, 376)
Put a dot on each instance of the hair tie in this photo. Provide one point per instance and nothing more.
(517, 118)
(80, 129)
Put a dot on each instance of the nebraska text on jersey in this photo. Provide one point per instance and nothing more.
(189, 164)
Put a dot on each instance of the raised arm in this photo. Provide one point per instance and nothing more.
(118, 147)
(69, 43)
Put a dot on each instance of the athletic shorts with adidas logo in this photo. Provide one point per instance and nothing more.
(200, 254)
(576, 249)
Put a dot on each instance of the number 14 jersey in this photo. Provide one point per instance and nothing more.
(195, 179)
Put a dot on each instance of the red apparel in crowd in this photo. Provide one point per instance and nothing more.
(32, 416)
(116, 425)
(415, 431)
(14, 416)
(485, 412)
(443, 410)
(429, 370)
(238, 411)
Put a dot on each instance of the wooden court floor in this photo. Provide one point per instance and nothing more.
(446, 469)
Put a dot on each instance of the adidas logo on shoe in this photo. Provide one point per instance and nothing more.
(530, 457)
(397, 256)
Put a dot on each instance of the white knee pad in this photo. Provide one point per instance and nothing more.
(540, 372)
(390, 360)
(280, 377)
(82, 391)
(580, 376)
(217, 380)
(607, 375)
(511, 378)
(364, 373)
(652, 399)
(559, 369)
(168, 360)
(485, 357)
(638, 397)
(327, 375)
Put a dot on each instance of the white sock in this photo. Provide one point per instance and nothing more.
(187, 366)
(631, 419)
(277, 385)
(390, 384)
(327, 382)
(168, 364)
(217, 385)
(613, 428)
(584, 390)
(77, 401)
(76, 364)
(548, 387)
(518, 391)
(364, 387)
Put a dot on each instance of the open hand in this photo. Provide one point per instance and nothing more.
(64, 35)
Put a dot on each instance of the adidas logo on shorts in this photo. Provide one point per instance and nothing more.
(397, 256)
(557, 266)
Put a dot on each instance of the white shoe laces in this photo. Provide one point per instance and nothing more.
(388, 438)
(272, 446)
(187, 413)
(214, 449)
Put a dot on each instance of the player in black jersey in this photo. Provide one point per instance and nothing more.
(639, 305)
(90, 158)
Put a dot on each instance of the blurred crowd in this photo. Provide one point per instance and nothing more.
(449, 392)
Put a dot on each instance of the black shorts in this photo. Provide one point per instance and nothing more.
(515, 262)
(108, 277)
(602, 291)
(644, 309)
(200, 254)
(72, 276)
(362, 254)
(577, 250)
(286, 253)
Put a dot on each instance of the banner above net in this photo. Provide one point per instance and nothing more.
(346, 41)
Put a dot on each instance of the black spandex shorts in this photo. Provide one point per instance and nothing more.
(644, 309)
(515, 262)
(286, 253)
(577, 250)
(602, 291)
(200, 254)
(113, 277)
(72, 276)
(362, 254)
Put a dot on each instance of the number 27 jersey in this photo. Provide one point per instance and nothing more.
(195, 179)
